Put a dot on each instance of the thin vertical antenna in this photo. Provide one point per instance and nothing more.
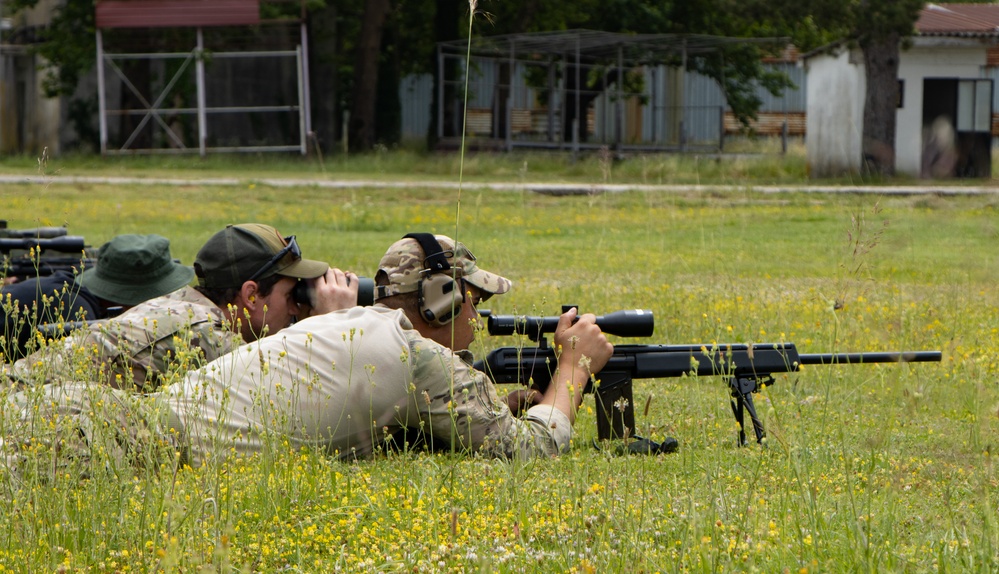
(472, 5)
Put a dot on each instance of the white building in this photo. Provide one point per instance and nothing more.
(944, 121)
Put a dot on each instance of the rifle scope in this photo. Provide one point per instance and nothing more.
(628, 323)
(36, 232)
(62, 244)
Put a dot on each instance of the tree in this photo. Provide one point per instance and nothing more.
(324, 74)
(364, 98)
(446, 15)
(68, 43)
(881, 28)
(737, 68)
(354, 49)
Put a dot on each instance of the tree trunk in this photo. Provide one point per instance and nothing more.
(365, 95)
(323, 76)
(388, 114)
(446, 20)
(880, 105)
(502, 93)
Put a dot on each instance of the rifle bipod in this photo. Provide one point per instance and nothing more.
(742, 388)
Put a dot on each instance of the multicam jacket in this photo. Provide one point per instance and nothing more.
(153, 343)
(352, 383)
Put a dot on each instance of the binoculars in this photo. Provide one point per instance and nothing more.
(302, 293)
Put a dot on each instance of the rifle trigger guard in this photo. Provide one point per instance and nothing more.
(749, 384)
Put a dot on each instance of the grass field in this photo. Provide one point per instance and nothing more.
(867, 468)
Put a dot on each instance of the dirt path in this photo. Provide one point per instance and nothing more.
(546, 188)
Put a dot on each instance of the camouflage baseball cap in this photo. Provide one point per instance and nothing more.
(402, 265)
(250, 252)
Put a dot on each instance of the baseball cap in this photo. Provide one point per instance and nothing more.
(402, 265)
(133, 268)
(250, 252)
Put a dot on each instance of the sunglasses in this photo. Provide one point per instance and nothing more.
(291, 246)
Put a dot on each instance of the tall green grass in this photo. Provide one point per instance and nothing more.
(760, 160)
(867, 468)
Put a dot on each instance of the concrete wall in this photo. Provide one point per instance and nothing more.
(43, 116)
(835, 108)
(29, 121)
(40, 14)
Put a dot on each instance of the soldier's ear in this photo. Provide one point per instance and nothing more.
(248, 294)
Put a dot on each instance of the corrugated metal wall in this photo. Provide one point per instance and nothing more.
(656, 121)
(416, 95)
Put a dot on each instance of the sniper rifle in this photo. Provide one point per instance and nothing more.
(41, 251)
(745, 368)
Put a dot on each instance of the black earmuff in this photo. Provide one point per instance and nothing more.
(440, 290)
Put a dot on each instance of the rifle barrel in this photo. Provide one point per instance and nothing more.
(857, 358)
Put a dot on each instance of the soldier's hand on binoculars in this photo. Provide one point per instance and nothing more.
(333, 291)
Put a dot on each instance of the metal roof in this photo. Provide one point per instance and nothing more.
(176, 13)
(595, 44)
(961, 20)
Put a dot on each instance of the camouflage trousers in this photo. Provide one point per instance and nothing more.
(83, 429)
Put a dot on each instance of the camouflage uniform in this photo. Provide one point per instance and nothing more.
(349, 383)
(154, 342)
(82, 428)
(358, 381)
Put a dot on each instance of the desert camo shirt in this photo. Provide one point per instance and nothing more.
(348, 383)
(153, 343)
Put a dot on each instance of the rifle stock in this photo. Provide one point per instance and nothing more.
(744, 367)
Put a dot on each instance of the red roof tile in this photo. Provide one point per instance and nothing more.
(959, 20)
(176, 13)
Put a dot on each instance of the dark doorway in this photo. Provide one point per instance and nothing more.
(957, 128)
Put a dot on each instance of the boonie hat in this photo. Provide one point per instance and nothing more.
(132, 268)
(250, 252)
(402, 264)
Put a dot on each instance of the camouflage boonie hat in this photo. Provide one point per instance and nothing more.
(251, 251)
(402, 265)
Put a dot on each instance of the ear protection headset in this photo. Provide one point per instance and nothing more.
(439, 288)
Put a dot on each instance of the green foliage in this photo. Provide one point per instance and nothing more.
(69, 44)
(874, 19)
(738, 69)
